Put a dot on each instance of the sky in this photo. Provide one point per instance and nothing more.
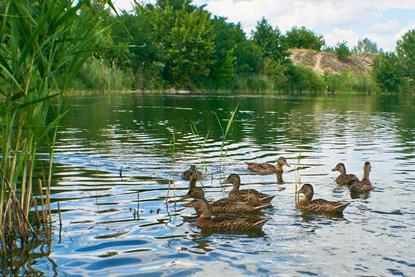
(382, 21)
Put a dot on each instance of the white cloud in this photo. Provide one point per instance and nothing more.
(339, 35)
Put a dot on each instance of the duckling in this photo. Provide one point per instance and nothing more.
(226, 205)
(252, 196)
(318, 206)
(344, 179)
(205, 219)
(192, 171)
(363, 186)
(265, 168)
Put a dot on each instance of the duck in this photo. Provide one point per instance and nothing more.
(265, 168)
(226, 205)
(192, 171)
(363, 186)
(252, 196)
(344, 179)
(318, 206)
(206, 220)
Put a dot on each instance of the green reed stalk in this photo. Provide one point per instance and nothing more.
(43, 44)
(225, 132)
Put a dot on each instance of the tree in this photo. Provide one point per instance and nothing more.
(365, 46)
(269, 41)
(386, 72)
(183, 39)
(303, 38)
(405, 49)
(342, 50)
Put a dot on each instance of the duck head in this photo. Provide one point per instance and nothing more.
(308, 191)
(202, 207)
(233, 179)
(340, 168)
(366, 169)
(196, 193)
(282, 161)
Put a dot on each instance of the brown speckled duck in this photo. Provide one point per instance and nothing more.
(363, 186)
(344, 179)
(264, 168)
(206, 220)
(226, 205)
(318, 206)
(252, 196)
(192, 171)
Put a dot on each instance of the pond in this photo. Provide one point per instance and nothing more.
(117, 179)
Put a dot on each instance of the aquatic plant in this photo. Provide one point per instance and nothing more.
(43, 45)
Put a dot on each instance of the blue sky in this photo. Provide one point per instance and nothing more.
(383, 21)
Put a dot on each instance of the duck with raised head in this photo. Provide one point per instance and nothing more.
(192, 171)
(226, 205)
(344, 179)
(318, 206)
(206, 220)
(252, 196)
(265, 168)
(363, 186)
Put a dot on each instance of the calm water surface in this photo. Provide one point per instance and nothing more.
(102, 233)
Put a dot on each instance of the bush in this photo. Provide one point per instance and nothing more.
(386, 72)
(97, 75)
(342, 51)
(303, 79)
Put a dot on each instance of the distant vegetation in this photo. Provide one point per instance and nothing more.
(176, 44)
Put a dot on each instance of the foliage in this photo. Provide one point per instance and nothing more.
(269, 41)
(96, 74)
(276, 72)
(405, 49)
(303, 38)
(302, 78)
(43, 45)
(365, 46)
(386, 72)
(342, 50)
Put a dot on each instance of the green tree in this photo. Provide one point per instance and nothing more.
(183, 39)
(405, 49)
(303, 38)
(386, 72)
(365, 46)
(342, 50)
(269, 41)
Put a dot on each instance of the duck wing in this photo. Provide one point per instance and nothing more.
(322, 206)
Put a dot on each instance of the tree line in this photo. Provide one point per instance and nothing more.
(176, 44)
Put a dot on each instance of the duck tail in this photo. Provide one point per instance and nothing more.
(267, 198)
(340, 208)
(260, 223)
(262, 207)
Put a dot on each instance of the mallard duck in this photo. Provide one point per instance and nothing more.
(344, 179)
(252, 196)
(205, 219)
(364, 185)
(264, 168)
(318, 206)
(226, 205)
(192, 171)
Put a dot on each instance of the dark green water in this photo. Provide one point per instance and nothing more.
(101, 235)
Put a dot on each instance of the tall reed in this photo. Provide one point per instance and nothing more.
(43, 44)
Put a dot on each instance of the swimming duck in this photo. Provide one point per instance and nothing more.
(192, 171)
(205, 219)
(318, 206)
(363, 186)
(252, 196)
(264, 168)
(344, 179)
(226, 205)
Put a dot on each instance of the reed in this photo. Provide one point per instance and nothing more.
(225, 132)
(43, 45)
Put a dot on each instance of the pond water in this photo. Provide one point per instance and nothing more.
(117, 179)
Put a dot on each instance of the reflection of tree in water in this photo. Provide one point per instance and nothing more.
(269, 121)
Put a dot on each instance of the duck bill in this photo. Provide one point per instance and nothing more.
(334, 169)
(189, 205)
(286, 163)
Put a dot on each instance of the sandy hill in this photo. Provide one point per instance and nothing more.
(324, 61)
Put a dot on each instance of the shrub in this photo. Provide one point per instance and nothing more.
(342, 51)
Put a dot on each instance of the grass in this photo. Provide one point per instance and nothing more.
(43, 46)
